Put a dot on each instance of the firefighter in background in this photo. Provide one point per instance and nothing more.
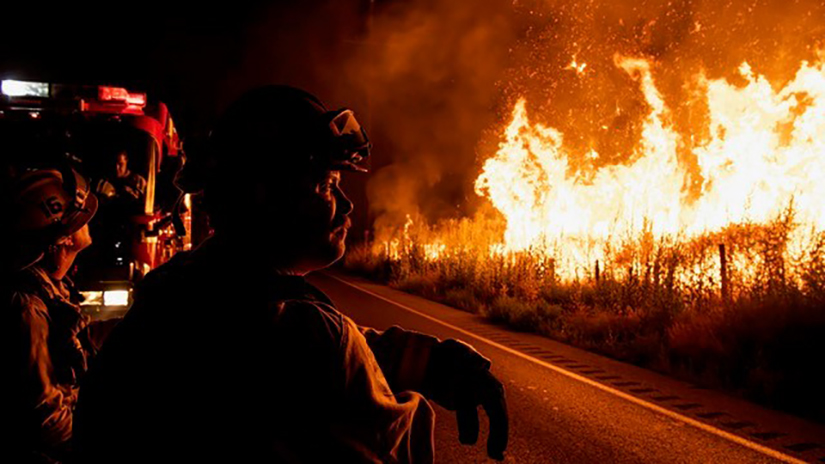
(125, 186)
(48, 340)
(229, 355)
(122, 197)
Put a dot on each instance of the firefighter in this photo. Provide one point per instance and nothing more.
(229, 355)
(125, 186)
(49, 340)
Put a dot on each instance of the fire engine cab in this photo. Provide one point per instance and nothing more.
(128, 147)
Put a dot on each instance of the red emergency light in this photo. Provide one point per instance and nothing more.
(112, 93)
(119, 94)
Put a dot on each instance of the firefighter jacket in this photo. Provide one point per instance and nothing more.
(46, 353)
(218, 361)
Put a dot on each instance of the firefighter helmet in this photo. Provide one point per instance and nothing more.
(276, 128)
(48, 205)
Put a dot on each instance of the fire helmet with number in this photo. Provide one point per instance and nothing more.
(48, 205)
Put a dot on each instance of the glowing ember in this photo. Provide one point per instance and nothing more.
(576, 66)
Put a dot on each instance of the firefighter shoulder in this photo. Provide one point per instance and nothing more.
(272, 371)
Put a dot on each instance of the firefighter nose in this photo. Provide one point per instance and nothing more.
(344, 204)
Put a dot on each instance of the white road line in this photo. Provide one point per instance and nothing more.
(653, 407)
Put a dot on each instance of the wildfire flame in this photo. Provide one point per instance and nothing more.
(766, 151)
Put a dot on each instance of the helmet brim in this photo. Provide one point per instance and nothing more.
(81, 217)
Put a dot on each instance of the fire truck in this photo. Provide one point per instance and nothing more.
(129, 149)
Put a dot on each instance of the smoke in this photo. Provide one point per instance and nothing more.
(442, 77)
(430, 71)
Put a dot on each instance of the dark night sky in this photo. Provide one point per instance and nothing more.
(194, 58)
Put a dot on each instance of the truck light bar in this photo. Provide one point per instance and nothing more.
(112, 93)
(119, 94)
(13, 88)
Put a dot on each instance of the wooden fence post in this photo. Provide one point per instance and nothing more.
(723, 260)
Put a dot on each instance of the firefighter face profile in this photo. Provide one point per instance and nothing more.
(271, 174)
(62, 255)
(336, 207)
(79, 240)
(316, 214)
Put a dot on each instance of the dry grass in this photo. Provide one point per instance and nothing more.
(657, 303)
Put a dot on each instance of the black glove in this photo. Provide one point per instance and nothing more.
(459, 379)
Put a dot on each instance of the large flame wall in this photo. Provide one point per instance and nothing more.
(765, 154)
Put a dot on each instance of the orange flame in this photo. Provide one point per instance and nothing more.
(766, 152)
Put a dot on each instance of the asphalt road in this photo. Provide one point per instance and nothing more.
(570, 406)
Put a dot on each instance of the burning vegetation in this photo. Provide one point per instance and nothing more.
(656, 198)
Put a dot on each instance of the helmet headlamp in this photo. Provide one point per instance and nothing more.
(349, 147)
